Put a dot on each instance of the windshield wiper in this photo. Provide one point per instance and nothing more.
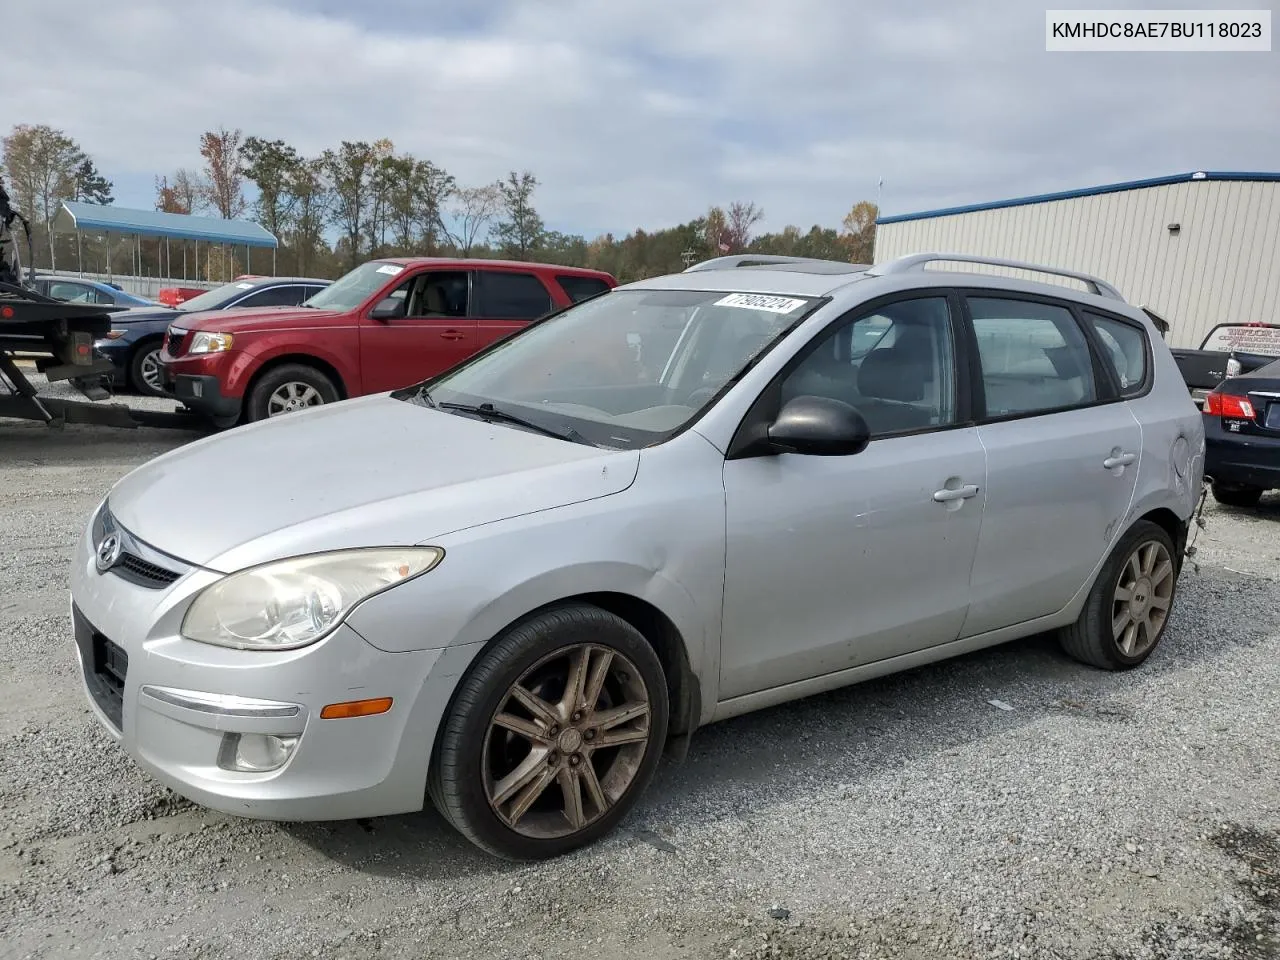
(487, 411)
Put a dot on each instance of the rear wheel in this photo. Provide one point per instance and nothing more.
(288, 389)
(1128, 609)
(553, 735)
(1234, 495)
(144, 370)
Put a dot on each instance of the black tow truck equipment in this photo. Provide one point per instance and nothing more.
(59, 336)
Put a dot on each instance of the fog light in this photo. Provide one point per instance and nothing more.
(255, 752)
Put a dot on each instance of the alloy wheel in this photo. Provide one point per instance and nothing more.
(566, 741)
(149, 367)
(1143, 595)
(292, 396)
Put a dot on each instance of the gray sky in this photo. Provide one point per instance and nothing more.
(644, 112)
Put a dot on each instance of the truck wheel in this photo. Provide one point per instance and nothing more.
(1236, 496)
(144, 369)
(552, 736)
(1128, 608)
(288, 389)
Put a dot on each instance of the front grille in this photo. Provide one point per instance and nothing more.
(173, 342)
(105, 668)
(145, 574)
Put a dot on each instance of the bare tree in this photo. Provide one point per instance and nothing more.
(224, 179)
(473, 209)
(742, 217)
(188, 190)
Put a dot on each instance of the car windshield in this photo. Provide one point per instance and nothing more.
(217, 298)
(628, 369)
(354, 288)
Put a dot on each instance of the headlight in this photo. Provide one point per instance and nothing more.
(291, 603)
(209, 342)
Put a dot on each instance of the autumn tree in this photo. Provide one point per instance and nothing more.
(417, 190)
(860, 226)
(40, 164)
(168, 200)
(269, 165)
(223, 179)
(521, 228)
(473, 210)
(715, 232)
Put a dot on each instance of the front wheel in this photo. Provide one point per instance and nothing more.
(288, 389)
(1128, 608)
(144, 370)
(1231, 495)
(553, 735)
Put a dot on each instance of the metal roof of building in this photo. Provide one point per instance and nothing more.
(74, 215)
(1083, 192)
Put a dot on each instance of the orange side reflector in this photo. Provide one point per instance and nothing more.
(356, 708)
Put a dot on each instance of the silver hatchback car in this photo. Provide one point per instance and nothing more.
(512, 587)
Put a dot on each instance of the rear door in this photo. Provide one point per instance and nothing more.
(1062, 456)
(504, 301)
(434, 334)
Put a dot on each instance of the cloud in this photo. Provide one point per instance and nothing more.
(643, 112)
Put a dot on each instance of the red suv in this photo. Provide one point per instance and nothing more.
(386, 324)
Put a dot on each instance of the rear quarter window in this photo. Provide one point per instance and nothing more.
(1125, 348)
(578, 288)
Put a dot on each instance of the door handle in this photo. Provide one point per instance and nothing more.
(452, 335)
(946, 494)
(1119, 460)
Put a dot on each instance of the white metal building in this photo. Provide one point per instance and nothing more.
(1197, 248)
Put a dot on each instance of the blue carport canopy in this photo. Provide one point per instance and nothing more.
(74, 216)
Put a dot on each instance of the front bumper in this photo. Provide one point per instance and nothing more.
(177, 706)
(1246, 460)
(197, 382)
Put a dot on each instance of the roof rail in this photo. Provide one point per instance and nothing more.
(769, 259)
(917, 261)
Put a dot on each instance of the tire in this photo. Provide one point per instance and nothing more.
(1236, 496)
(475, 756)
(308, 385)
(1093, 638)
(148, 350)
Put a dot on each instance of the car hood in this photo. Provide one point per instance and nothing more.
(365, 472)
(248, 319)
(138, 314)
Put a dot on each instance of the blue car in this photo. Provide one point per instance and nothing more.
(136, 336)
(79, 290)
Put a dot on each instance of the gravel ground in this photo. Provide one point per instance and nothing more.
(1103, 816)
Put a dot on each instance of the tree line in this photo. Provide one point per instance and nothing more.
(375, 200)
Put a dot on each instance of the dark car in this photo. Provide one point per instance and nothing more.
(136, 336)
(1229, 349)
(1242, 436)
(79, 290)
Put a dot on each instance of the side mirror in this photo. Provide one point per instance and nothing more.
(820, 427)
(388, 309)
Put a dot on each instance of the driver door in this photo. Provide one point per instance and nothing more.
(836, 562)
(434, 334)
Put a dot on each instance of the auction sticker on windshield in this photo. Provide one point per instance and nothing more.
(760, 301)
(390, 268)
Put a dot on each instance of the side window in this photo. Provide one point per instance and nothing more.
(896, 367)
(310, 291)
(1035, 358)
(510, 296)
(1126, 347)
(578, 289)
(74, 292)
(438, 294)
(280, 296)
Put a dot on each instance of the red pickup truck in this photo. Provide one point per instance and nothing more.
(386, 324)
